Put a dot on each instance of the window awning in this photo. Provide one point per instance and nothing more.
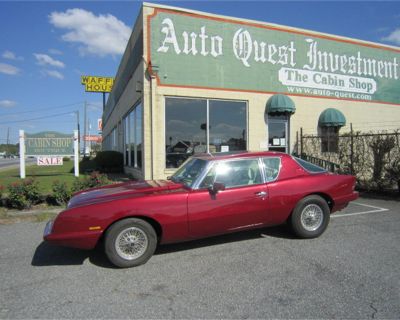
(331, 117)
(279, 103)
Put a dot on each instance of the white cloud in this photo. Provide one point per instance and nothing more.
(10, 55)
(98, 35)
(8, 69)
(7, 103)
(55, 52)
(54, 74)
(394, 37)
(44, 59)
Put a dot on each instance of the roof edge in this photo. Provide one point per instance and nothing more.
(288, 28)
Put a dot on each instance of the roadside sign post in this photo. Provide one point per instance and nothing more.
(98, 84)
(21, 154)
(76, 153)
(49, 148)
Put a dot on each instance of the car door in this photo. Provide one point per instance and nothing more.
(242, 205)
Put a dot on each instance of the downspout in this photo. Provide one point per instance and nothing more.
(152, 71)
(153, 83)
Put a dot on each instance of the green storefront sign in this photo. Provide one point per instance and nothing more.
(198, 51)
(49, 143)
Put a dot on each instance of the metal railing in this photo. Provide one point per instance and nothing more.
(328, 165)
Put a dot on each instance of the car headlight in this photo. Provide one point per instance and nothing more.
(48, 228)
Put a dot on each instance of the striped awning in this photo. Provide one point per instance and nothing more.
(331, 117)
(280, 104)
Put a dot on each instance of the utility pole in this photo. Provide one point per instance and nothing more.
(84, 127)
(90, 141)
(8, 141)
(78, 127)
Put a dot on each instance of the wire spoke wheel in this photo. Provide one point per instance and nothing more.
(312, 217)
(131, 243)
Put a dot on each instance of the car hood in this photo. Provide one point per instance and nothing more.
(121, 191)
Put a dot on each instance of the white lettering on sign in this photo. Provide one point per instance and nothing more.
(244, 48)
(191, 45)
(49, 161)
(306, 66)
(324, 80)
(358, 65)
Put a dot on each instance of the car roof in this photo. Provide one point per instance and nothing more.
(239, 154)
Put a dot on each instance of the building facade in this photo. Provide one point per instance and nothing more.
(191, 82)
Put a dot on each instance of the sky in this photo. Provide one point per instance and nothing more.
(46, 46)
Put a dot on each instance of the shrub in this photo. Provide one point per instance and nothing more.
(66, 159)
(393, 173)
(95, 179)
(87, 165)
(61, 194)
(78, 185)
(24, 194)
(31, 191)
(110, 161)
(16, 196)
(2, 188)
(380, 146)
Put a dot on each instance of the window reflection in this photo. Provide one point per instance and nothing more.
(227, 126)
(186, 127)
(133, 124)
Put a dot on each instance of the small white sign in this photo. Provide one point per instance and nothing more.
(276, 142)
(49, 161)
(327, 81)
(224, 148)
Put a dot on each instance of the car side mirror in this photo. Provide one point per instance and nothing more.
(216, 187)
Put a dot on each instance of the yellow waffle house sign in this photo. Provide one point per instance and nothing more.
(97, 84)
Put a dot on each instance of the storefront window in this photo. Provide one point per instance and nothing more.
(132, 137)
(185, 121)
(329, 139)
(189, 130)
(227, 126)
(138, 135)
(126, 139)
(133, 124)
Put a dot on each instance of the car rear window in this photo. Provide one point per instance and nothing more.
(310, 167)
(271, 168)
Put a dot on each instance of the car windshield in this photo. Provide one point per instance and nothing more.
(189, 171)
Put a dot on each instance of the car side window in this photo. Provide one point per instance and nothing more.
(271, 168)
(235, 173)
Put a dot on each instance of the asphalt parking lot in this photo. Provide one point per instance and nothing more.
(351, 271)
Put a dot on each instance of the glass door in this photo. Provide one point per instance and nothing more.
(278, 134)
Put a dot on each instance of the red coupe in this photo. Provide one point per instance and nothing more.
(208, 195)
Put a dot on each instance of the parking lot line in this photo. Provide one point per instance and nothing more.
(374, 210)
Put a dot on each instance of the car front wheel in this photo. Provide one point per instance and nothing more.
(130, 242)
(311, 217)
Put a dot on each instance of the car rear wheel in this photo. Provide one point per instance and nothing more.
(130, 242)
(311, 217)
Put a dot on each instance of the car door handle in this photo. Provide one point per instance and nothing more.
(261, 194)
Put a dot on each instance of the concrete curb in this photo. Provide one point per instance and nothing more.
(16, 213)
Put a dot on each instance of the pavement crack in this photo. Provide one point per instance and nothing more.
(373, 308)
